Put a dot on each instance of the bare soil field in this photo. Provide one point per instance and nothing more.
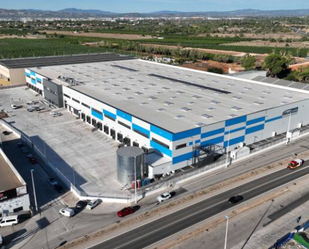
(100, 35)
(204, 65)
(260, 43)
(259, 36)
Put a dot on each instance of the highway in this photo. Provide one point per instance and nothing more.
(159, 229)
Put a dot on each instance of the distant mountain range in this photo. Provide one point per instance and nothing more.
(80, 13)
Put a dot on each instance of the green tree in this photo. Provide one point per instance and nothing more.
(277, 65)
(248, 62)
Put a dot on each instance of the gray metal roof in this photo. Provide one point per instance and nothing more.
(61, 60)
(180, 99)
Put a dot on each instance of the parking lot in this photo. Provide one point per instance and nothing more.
(86, 157)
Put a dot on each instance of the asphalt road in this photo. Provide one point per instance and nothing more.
(157, 230)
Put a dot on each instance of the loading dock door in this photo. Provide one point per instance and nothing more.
(113, 134)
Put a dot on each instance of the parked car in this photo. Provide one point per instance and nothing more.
(53, 182)
(55, 114)
(1, 241)
(164, 197)
(81, 204)
(235, 199)
(28, 155)
(92, 204)
(67, 212)
(24, 150)
(126, 211)
(33, 160)
(6, 133)
(20, 145)
(9, 221)
(39, 108)
(31, 109)
(13, 106)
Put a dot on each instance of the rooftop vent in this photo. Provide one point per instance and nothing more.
(210, 109)
(168, 103)
(287, 97)
(200, 124)
(191, 103)
(117, 93)
(214, 102)
(174, 97)
(258, 103)
(207, 116)
(196, 97)
(236, 108)
(152, 98)
(144, 103)
(232, 116)
(126, 89)
(179, 116)
(237, 97)
(185, 109)
(160, 110)
(180, 92)
(130, 98)
(283, 102)
(138, 93)
(158, 93)
(266, 92)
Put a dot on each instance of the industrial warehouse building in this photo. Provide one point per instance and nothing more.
(14, 196)
(13, 70)
(182, 116)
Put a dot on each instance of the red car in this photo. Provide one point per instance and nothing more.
(126, 211)
(33, 160)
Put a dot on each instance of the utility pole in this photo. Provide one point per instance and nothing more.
(34, 193)
(135, 191)
(226, 231)
(227, 149)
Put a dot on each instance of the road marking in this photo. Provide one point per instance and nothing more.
(202, 210)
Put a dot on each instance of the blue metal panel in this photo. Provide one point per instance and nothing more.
(161, 132)
(96, 114)
(27, 74)
(33, 81)
(273, 119)
(235, 121)
(38, 80)
(234, 141)
(124, 115)
(213, 141)
(185, 134)
(32, 73)
(198, 141)
(212, 133)
(256, 120)
(191, 143)
(181, 158)
(235, 130)
(254, 129)
(112, 115)
(141, 129)
(161, 148)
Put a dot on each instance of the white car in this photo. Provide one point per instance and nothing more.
(92, 204)
(14, 106)
(55, 114)
(67, 212)
(164, 197)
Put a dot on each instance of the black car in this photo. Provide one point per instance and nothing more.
(20, 145)
(235, 199)
(6, 133)
(81, 204)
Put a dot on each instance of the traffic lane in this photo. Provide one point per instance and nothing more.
(193, 214)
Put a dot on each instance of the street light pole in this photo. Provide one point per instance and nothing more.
(34, 193)
(226, 231)
(227, 149)
(289, 124)
(135, 191)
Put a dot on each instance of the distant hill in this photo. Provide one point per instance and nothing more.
(80, 13)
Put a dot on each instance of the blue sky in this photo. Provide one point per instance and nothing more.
(156, 5)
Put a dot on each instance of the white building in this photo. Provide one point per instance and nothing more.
(181, 113)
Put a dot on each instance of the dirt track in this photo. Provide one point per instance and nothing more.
(100, 35)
